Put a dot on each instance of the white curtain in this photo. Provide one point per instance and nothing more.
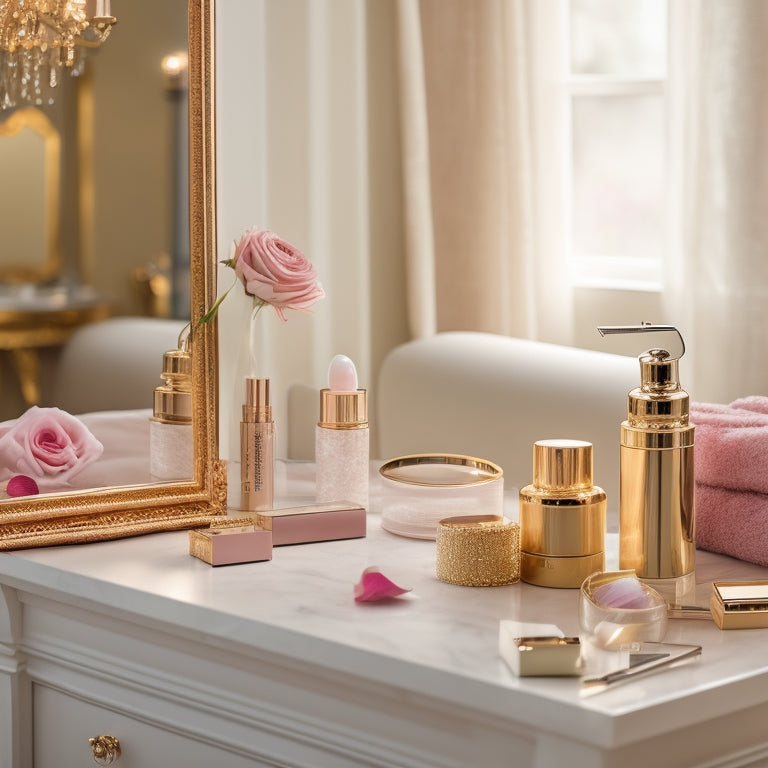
(468, 170)
(719, 162)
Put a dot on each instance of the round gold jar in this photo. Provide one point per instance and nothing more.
(478, 551)
(562, 516)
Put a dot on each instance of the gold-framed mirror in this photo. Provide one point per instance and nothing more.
(30, 149)
(113, 512)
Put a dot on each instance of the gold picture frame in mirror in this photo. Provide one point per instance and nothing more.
(115, 512)
(30, 149)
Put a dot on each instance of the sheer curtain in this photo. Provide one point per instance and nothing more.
(719, 163)
(468, 170)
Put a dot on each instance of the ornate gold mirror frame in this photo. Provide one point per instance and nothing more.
(110, 513)
(41, 263)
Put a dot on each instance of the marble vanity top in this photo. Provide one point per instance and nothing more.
(439, 639)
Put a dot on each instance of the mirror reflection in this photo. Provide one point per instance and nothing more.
(94, 282)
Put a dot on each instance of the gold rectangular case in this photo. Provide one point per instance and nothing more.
(740, 604)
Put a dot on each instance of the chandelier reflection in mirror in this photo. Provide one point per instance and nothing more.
(43, 40)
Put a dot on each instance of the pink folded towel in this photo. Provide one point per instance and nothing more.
(732, 523)
(732, 444)
(731, 470)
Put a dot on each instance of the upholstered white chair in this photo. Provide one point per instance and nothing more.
(493, 396)
(114, 364)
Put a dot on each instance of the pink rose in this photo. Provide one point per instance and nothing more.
(275, 272)
(48, 445)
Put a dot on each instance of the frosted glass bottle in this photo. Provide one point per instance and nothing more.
(170, 428)
(342, 438)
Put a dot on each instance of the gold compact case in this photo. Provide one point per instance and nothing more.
(562, 516)
(539, 655)
(421, 489)
(740, 604)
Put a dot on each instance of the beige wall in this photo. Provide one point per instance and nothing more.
(389, 325)
(133, 135)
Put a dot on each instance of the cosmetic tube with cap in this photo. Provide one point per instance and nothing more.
(562, 516)
(342, 437)
(170, 427)
(257, 448)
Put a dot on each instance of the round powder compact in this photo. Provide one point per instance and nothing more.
(616, 610)
(420, 490)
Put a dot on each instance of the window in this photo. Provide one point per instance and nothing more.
(606, 80)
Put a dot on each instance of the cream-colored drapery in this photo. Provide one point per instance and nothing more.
(467, 167)
(719, 163)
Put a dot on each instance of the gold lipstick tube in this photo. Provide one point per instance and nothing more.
(257, 448)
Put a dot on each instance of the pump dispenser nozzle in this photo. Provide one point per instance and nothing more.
(657, 481)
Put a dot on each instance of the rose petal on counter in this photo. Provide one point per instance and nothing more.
(374, 585)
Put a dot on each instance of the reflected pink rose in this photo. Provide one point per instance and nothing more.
(275, 272)
(48, 445)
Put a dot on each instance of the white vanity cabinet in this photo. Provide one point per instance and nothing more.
(274, 664)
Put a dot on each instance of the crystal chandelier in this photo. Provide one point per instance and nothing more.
(41, 39)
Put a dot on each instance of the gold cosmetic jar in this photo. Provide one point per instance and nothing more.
(562, 516)
(478, 551)
(419, 490)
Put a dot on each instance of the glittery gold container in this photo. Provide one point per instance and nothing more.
(478, 551)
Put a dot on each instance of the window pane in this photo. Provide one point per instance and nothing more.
(626, 39)
(618, 176)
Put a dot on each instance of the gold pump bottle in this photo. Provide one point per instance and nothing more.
(656, 506)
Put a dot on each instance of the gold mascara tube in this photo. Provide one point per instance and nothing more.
(257, 448)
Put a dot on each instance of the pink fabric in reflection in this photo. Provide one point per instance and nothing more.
(49, 445)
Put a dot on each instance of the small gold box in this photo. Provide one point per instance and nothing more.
(740, 604)
(539, 656)
(231, 541)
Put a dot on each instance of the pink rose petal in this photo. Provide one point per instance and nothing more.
(21, 485)
(374, 585)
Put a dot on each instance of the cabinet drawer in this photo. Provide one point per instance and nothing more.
(63, 724)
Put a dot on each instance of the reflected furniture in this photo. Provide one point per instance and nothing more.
(274, 664)
(114, 364)
(27, 326)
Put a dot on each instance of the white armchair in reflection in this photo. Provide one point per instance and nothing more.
(114, 364)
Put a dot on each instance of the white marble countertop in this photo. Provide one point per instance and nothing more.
(439, 639)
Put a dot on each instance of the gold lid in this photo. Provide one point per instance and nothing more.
(343, 410)
(173, 398)
(257, 407)
(440, 470)
(659, 402)
(562, 464)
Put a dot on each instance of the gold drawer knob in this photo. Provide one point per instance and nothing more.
(106, 749)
